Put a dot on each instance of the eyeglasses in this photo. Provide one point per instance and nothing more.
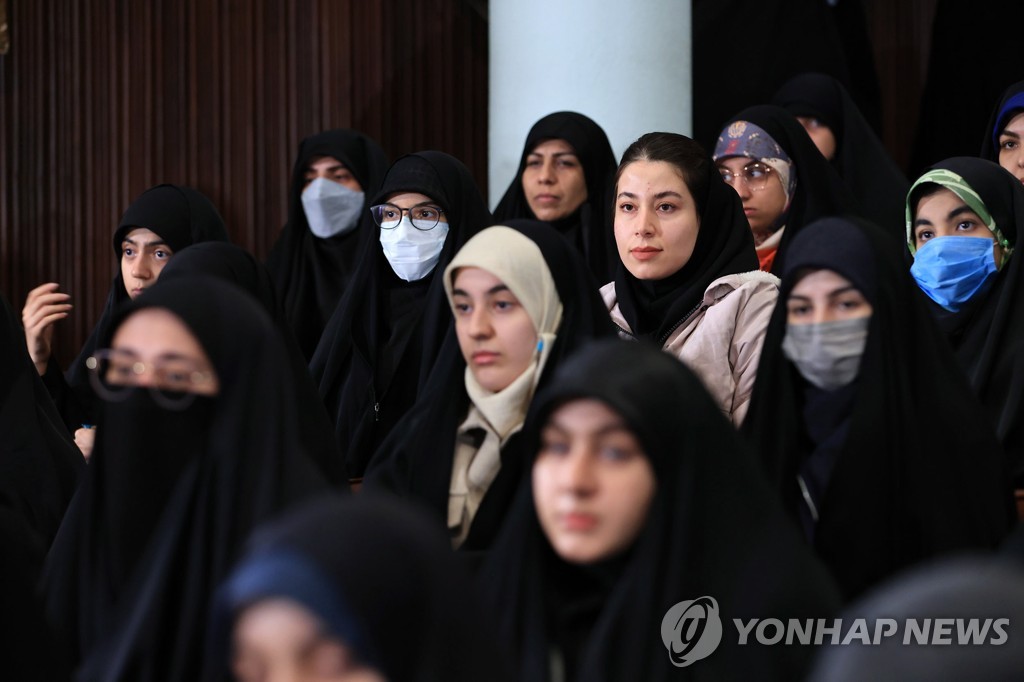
(423, 216)
(174, 385)
(755, 175)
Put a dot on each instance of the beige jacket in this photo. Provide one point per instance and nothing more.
(721, 340)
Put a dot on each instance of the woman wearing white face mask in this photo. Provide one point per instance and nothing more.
(328, 224)
(865, 423)
(387, 329)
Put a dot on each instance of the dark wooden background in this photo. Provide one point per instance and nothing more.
(104, 98)
(100, 99)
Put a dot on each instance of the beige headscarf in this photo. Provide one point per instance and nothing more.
(517, 261)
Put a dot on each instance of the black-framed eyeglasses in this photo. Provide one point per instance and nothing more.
(423, 217)
(754, 174)
(174, 382)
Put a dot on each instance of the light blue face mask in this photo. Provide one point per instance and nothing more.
(953, 270)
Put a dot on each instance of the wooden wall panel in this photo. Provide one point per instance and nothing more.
(100, 99)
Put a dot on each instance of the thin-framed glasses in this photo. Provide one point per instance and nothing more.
(174, 382)
(755, 174)
(422, 216)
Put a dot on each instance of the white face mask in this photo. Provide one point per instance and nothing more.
(331, 208)
(412, 253)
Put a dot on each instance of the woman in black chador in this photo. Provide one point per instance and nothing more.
(382, 340)
(565, 179)
(197, 442)
(643, 496)
(318, 250)
(864, 421)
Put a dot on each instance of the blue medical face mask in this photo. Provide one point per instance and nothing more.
(953, 270)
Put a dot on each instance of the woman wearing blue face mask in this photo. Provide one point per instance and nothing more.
(865, 425)
(388, 328)
(962, 221)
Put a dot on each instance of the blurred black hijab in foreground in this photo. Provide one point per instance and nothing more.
(179, 477)
(712, 528)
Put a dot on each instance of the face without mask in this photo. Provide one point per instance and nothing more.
(953, 270)
(827, 354)
(331, 208)
(411, 252)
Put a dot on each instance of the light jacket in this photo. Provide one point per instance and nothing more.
(721, 340)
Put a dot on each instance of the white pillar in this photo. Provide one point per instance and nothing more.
(624, 63)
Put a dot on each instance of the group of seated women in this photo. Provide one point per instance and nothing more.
(425, 441)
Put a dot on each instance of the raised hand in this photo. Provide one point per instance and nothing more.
(43, 306)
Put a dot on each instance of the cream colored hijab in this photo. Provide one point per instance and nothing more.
(517, 261)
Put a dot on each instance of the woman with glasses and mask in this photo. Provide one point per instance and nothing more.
(198, 440)
(780, 176)
(963, 217)
(564, 179)
(383, 338)
(687, 278)
(864, 421)
(328, 223)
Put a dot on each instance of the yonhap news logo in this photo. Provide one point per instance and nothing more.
(692, 630)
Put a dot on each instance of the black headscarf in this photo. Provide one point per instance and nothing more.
(416, 461)
(39, 462)
(988, 333)
(863, 162)
(1010, 104)
(180, 216)
(236, 265)
(724, 246)
(311, 273)
(910, 432)
(819, 190)
(171, 495)
(383, 338)
(380, 578)
(589, 227)
(713, 529)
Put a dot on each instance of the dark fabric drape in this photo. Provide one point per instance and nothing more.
(942, 130)
(713, 529)
(311, 273)
(916, 438)
(590, 227)
(818, 37)
(170, 496)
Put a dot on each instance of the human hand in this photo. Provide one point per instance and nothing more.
(43, 306)
(84, 439)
